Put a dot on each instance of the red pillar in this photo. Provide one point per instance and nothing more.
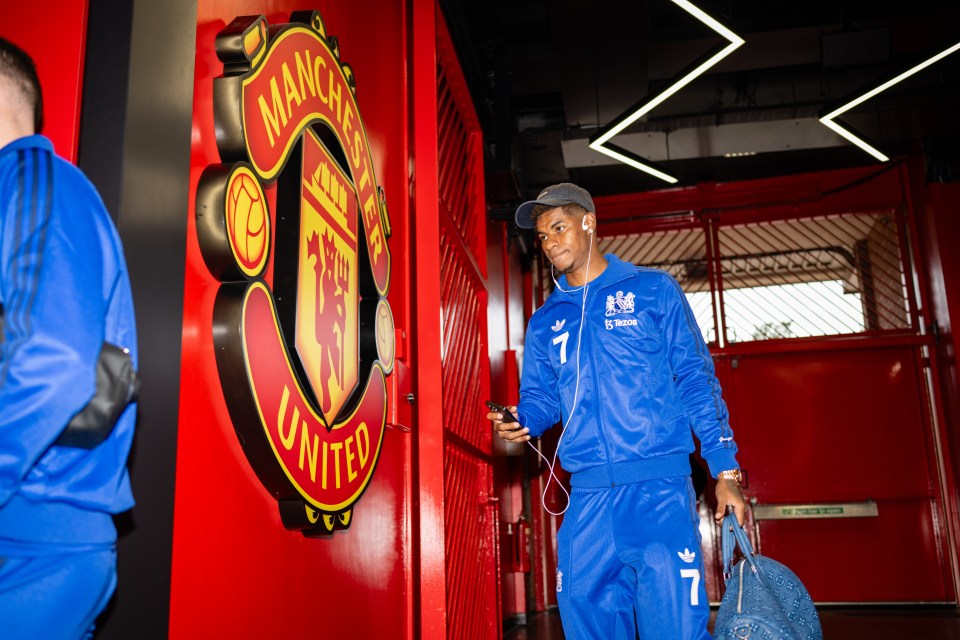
(428, 534)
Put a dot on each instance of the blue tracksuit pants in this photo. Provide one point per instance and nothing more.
(55, 596)
(628, 559)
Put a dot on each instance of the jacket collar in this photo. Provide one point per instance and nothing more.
(616, 271)
(28, 142)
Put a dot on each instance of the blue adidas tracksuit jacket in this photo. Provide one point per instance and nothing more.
(64, 288)
(645, 377)
(644, 384)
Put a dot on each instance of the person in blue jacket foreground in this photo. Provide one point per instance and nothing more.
(615, 356)
(64, 290)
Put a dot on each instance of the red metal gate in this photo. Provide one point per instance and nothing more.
(451, 264)
(805, 291)
(470, 510)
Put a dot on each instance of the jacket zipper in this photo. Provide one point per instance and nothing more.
(596, 389)
(596, 380)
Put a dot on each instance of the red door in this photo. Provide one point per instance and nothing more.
(828, 398)
(838, 461)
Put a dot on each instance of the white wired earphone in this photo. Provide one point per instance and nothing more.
(576, 388)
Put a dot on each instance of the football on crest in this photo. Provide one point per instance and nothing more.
(247, 221)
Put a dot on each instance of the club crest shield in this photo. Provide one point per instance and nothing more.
(327, 326)
(303, 352)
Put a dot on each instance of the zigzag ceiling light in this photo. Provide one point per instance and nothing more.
(601, 140)
(848, 133)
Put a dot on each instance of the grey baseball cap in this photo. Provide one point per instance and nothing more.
(554, 196)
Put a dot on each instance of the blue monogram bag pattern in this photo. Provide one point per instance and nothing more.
(764, 600)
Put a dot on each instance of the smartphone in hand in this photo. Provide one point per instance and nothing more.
(507, 415)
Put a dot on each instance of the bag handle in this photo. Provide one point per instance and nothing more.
(733, 535)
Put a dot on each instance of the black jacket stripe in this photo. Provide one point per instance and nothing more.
(42, 225)
(15, 310)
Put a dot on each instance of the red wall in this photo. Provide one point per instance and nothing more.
(936, 207)
(944, 215)
(57, 48)
(236, 571)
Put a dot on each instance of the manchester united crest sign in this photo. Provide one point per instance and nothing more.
(302, 356)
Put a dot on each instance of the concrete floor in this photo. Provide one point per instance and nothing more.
(873, 623)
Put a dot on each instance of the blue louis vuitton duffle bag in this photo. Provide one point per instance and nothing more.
(764, 600)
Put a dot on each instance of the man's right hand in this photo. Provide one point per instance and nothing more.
(509, 431)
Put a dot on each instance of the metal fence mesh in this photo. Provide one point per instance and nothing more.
(820, 276)
(804, 277)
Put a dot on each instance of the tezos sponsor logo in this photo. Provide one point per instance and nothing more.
(610, 324)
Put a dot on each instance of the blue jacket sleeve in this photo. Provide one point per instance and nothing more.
(51, 291)
(539, 407)
(696, 380)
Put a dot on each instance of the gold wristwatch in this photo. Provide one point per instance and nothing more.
(731, 474)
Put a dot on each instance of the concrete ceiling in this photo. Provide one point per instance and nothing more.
(547, 74)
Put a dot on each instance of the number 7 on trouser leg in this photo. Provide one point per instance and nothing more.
(646, 574)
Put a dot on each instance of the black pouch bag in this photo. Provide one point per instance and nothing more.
(118, 384)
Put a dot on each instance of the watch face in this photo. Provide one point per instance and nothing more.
(733, 474)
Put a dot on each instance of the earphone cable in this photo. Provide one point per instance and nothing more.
(576, 395)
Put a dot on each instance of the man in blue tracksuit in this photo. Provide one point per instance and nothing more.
(64, 290)
(629, 547)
